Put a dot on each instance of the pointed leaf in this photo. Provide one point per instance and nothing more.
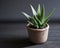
(34, 22)
(45, 21)
(39, 22)
(42, 13)
(30, 23)
(38, 10)
(33, 10)
(27, 16)
(50, 13)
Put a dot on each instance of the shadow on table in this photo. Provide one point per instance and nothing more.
(24, 43)
(15, 43)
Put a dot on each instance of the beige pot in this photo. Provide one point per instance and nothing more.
(38, 35)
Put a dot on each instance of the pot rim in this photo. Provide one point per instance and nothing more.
(47, 27)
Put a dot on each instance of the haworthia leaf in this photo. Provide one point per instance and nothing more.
(31, 20)
(36, 23)
(50, 13)
(45, 22)
(27, 16)
(33, 10)
(30, 23)
(39, 22)
(38, 10)
(42, 13)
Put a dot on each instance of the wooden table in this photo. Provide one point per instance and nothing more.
(14, 35)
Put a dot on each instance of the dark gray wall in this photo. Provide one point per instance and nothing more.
(11, 9)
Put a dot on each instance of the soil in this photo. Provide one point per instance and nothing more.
(36, 27)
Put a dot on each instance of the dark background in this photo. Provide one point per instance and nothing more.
(10, 10)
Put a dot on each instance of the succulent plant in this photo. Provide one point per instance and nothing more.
(38, 20)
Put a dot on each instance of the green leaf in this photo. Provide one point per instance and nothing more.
(39, 22)
(45, 22)
(50, 13)
(27, 16)
(33, 10)
(30, 23)
(42, 14)
(31, 20)
(34, 22)
(38, 10)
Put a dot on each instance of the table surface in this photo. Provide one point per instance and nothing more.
(14, 35)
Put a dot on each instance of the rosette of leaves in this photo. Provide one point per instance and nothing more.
(38, 20)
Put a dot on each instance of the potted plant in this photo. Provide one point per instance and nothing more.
(37, 26)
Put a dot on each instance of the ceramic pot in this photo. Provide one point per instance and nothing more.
(38, 35)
